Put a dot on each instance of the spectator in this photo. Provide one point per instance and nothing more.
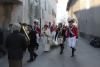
(16, 46)
(1, 43)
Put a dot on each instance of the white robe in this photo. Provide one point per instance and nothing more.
(53, 35)
(47, 40)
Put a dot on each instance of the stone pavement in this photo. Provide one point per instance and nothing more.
(86, 56)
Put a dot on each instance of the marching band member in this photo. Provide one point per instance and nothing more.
(72, 35)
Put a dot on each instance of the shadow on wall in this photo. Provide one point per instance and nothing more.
(89, 21)
(71, 3)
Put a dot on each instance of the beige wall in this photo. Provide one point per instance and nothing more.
(74, 8)
(5, 15)
(14, 13)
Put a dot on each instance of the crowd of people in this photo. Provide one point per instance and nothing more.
(24, 37)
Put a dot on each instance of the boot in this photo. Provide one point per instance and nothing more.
(62, 48)
(61, 52)
(73, 51)
(31, 60)
(35, 56)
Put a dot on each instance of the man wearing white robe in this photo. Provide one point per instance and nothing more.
(47, 38)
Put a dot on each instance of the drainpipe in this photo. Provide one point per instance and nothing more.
(40, 13)
(30, 11)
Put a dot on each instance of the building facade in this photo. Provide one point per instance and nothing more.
(25, 11)
(48, 11)
(6, 11)
(15, 11)
(87, 13)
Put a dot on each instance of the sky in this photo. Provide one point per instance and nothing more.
(61, 10)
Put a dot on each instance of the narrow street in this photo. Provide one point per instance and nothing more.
(86, 56)
(23, 22)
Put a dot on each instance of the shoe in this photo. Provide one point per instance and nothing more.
(61, 53)
(31, 60)
(46, 51)
(72, 56)
(35, 57)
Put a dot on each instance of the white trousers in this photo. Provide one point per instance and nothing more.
(60, 40)
(53, 42)
(38, 38)
(72, 41)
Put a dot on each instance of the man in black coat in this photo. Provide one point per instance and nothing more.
(33, 44)
(60, 35)
(16, 46)
(1, 37)
(1, 43)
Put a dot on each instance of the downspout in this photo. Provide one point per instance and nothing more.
(30, 11)
(39, 17)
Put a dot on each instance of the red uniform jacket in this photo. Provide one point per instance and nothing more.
(38, 30)
(74, 29)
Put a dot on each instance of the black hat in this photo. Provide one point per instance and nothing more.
(24, 24)
(71, 21)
